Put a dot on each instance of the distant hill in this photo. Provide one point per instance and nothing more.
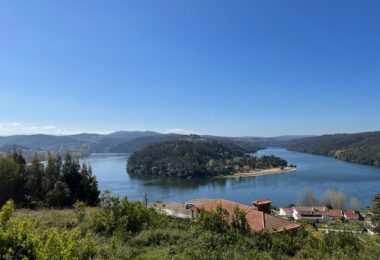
(195, 156)
(249, 144)
(119, 142)
(129, 135)
(39, 141)
(143, 142)
(290, 137)
(363, 148)
(80, 142)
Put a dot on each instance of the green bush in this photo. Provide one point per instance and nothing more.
(123, 217)
(156, 237)
(80, 211)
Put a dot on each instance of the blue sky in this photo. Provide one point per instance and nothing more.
(259, 68)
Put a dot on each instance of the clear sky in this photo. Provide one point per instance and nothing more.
(260, 68)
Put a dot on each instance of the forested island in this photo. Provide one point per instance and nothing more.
(198, 157)
(363, 148)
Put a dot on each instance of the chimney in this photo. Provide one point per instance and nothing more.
(263, 205)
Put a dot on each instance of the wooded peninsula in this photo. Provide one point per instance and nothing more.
(198, 157)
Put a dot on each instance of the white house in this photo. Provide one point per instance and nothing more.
(285, 212)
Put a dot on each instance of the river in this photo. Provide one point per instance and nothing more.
(313, 172)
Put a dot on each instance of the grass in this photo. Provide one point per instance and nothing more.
(58, 218)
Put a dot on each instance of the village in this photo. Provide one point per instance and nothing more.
(262, 215)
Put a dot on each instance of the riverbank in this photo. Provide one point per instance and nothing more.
(255, 173)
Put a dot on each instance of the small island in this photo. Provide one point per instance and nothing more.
(198, 157)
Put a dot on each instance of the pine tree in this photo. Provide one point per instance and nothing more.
(52, 172)
(34, 180)
(9, 170)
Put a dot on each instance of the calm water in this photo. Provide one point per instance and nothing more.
(316, 172)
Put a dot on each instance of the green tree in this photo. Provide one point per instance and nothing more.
(35, 179)
(376, 212)
(59, 196)
(52, 172)
(20, 183)
(215, 221)
(9, 175)
(239, 221)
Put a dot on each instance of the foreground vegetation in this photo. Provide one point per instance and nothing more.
(363, 148)
(197, 157)
(121, 229)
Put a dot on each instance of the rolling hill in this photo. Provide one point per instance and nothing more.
(363, 148)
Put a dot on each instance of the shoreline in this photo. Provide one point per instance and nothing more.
(254, 173)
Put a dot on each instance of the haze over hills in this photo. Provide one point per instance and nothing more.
(86, 142)
(120, 141)
(361, 148)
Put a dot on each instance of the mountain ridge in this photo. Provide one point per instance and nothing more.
(119, 141)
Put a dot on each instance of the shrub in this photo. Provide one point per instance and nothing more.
(124, 217)
(80, 211)
(6, 213)
(156, 237)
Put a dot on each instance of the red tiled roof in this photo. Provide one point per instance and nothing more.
(350, 214)
(287, 209)
(261, 202)
(273, 223)
(335, 213)
(301, 209)
(257, 220)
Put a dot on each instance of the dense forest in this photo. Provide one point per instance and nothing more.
(363, 148)
(123, 229)
(197, 157)
(54, 184)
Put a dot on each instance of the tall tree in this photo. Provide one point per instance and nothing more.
(20, 182)
(354, 203)
(52, 172)
(9, 171)
(71, 176)
(34, 179)
(335, 198)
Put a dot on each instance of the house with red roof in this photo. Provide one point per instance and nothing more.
(351, 215)
(259, 217)
(335, 214)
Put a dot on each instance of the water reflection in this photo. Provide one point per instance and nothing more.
(177, 182)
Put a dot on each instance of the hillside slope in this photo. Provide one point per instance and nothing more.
(363, 148)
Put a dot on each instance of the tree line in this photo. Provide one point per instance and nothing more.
(54, 184)
(331, 199)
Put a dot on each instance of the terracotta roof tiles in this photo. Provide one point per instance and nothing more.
(335, 213)
(257, 220)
